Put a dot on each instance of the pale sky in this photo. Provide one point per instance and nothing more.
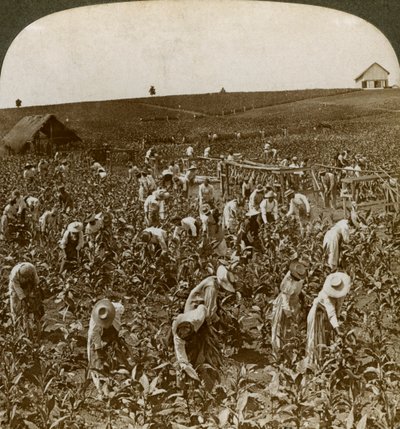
(184, 47)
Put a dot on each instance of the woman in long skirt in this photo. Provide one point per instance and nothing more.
(197, 346)
(322, 320)
(286, 306)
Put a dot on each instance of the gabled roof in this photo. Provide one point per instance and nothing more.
(365, 71)
(28, 126)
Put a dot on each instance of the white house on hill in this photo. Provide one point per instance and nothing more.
(374, 77)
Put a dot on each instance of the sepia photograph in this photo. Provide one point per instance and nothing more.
(200, 222)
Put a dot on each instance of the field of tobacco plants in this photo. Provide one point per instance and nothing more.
(44, 380)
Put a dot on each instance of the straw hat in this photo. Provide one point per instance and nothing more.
(260, 188)
(192, 167)
(270, 194)
(337, 285)
(289, 192)
(297, 270)
(252, 212)
(206, 209)
(103, 313)
(226, 278)
(75, 227)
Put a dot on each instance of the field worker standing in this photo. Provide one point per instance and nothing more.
(167, 175)
(29, 212)
(133, 173)
(151, 183)
(189, 225)
(328, 181)
(181, 185)
(322, 319)
(93, 226)
(333, 238)
(26, 305)
(71, 244)
(269, 208)
(299, 207)
(206, 193)
(246, 188)
(286, 306)
(195, 340)
(295, 177)
(176, 169)
(9, 217)
(29, 173)
(143, 187)
(213, 231)
(48, 222)
(43, 168)
(230, 215)
(256, 197)
(189, 152)
(154, 207)
(248, 236)
(65, 200)
(155, 240)
(207, 152)
(106, 347)
(149, 154)
(190, 177)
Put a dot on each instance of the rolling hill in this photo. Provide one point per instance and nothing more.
(125, 121)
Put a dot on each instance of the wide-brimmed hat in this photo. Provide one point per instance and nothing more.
(103, 313)
(192, 167)
(260, 188)
(206, 209)
(252, 212)
(91, 218)
(297, 270)
(226, 278)
(75, 227)
(289, 192)
(337, 285)
(270, 194)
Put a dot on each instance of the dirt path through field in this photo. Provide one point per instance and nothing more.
(190, 112)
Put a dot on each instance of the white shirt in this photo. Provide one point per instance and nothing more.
(187, 224)
(152, 204)
(158, 236)
(269, 207)
(189, 151)
(206, 193)
(47, 220)
(230, 213)
(296, 202)
(207, 152)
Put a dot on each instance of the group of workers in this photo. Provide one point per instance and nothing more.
(194, 331)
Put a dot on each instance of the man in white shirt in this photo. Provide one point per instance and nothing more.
(206, 193)
(269, 208)
(256, 197)
(188, 225)
(154, 207)
(207, 152)
(299, 207)
(230, 215)
(189, 152)
(156, 237)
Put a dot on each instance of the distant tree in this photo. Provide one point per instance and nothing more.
(18, 102)
(222, 91)
(152, 90)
